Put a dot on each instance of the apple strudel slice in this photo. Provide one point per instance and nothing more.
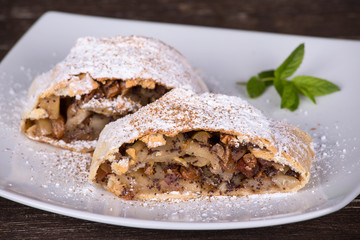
(186, 145)
(101, 80)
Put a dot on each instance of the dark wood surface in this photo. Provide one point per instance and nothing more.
(326, 18)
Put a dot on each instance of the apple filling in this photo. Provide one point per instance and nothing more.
(83, 117)
(200, 163)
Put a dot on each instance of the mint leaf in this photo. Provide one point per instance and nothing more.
(268, 83)
(267, 74)
(306, 93)
(291, 63)
(315, 86)
(279, 85)
(255, 87)
(289, 97)
(289, 90)
(267, 77)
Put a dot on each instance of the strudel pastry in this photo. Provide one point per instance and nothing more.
(186, 145)
(101, 80)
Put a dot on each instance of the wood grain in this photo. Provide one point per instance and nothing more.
(25, 222)
(323, 18)
(332, 18)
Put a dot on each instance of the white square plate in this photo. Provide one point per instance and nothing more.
(55, 180)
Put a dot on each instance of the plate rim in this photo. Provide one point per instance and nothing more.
(174, 225)
(167, 225)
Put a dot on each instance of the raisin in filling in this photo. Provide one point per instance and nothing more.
(83, 118)
(197, 162)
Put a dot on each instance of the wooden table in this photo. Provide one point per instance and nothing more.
(324, 18)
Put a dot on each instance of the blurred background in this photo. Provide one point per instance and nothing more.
(321, 18)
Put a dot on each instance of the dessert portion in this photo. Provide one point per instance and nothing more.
(186, 145)
(101, 80)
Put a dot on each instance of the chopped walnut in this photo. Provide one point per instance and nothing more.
(121, 166)
(191, 162)
(150, 84)
(38, 113)
(229, 140)
(153, 141)
(80, 116)
(111, 89)
(248, 165)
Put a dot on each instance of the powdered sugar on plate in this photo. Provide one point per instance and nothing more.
(59, 177)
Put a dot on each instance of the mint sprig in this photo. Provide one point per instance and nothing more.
(289, 90)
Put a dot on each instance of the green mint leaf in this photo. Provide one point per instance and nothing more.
(291, 63)
(268, 83)
(289, 90)
(289, 97)
(315, 86)
(306, 93)
(267, 77)
(267, 74)
(255, 87)
(279, 85)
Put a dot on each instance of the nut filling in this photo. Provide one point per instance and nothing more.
(206, 163)
(82, 118)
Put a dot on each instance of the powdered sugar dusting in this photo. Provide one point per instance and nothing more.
(74, 165)
(125, 58)
(79, 86)
(182, 110)
(59, 177)
(129, 58)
